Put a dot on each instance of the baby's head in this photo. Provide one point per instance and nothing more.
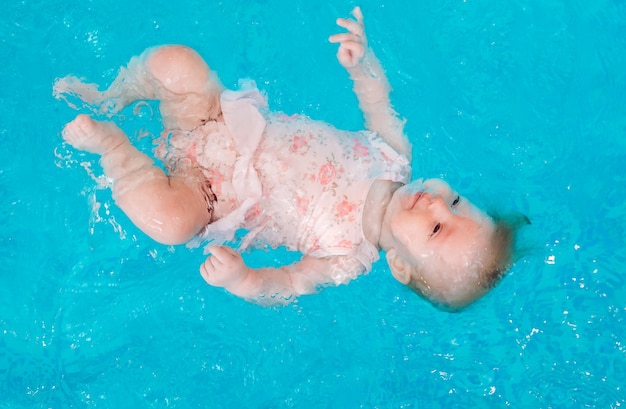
(442, 246)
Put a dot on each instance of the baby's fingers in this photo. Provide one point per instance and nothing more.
(208, 271)
(355, 27)
(224, 268)
(215, 268)
(223, 255)
(358, 14)
(214, 273)
(343, 37)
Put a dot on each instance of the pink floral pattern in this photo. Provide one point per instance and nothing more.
(326, 173)
(302, 204)
(314, 178)
(359, 149)
(299, 144)
(318, 178)
(345, 208)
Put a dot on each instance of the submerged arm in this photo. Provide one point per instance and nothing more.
(370, 83)
(225, 268)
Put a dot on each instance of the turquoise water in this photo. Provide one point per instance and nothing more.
(520, 104)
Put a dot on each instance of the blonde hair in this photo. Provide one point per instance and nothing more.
(489, 272)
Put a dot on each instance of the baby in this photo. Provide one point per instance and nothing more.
(337, 197)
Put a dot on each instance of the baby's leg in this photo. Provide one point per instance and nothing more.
(171, 210)
(189, 92)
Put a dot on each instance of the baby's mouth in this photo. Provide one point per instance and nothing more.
(415, 198)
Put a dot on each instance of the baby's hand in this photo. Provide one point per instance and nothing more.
(352, 45)
(224, 268)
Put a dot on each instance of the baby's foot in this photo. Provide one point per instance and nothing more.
(93, 136)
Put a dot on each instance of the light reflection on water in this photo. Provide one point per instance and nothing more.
(519, 105)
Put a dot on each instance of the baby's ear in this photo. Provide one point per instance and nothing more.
(400, 268)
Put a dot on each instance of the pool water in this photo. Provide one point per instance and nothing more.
(520, 104)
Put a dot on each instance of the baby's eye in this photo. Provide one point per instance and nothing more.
(436, 229)
(456, 201)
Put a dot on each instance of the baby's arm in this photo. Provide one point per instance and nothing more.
(370, 83)
(225, 268)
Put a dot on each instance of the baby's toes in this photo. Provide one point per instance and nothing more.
(82, 133)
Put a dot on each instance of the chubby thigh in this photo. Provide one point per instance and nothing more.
(207, 152)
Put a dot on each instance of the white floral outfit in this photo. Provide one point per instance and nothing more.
(291, 181)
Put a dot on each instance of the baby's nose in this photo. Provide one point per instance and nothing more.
(439, 205)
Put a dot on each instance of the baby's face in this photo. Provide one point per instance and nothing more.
(444, 236)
